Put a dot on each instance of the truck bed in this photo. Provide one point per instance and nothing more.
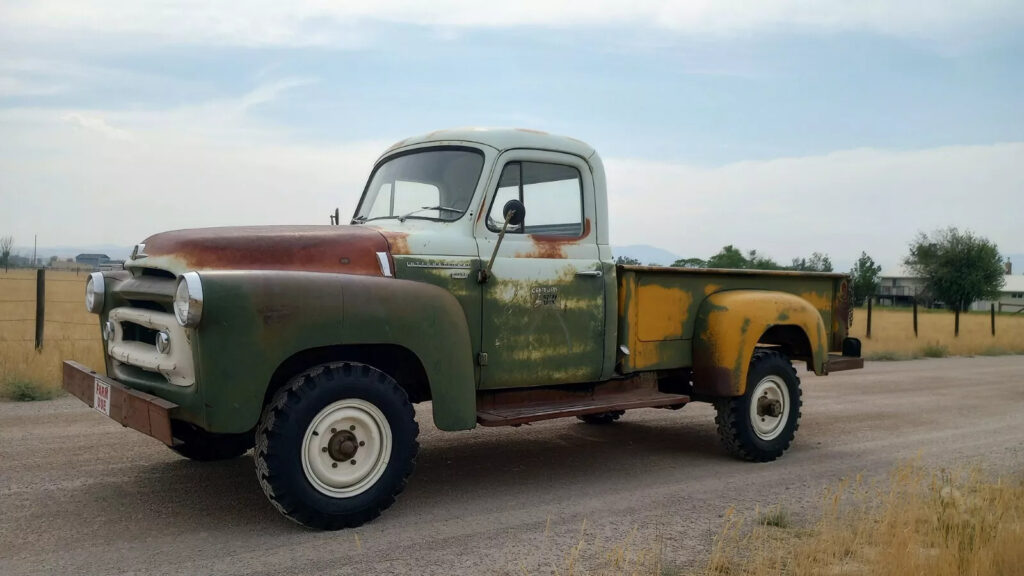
(658, 307)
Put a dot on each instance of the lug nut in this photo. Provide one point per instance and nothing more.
(352, 462)
(324, 449)
(334, 464)
(352, 427)
(333, 430)
(361, 443)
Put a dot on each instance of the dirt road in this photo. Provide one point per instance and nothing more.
(80, 495)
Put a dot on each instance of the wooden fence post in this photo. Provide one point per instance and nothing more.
(40, 306)
(915, 316)
(869, 316)
(993, 310)
(956, 323)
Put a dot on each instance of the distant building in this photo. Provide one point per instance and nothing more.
(894, 290)
(93, 260)
(899, 290)
(1011, 296)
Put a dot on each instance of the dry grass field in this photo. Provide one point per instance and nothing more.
(70, 333)
(918, 521)
(892, 334)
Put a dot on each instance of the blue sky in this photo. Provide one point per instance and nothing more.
(778, 125)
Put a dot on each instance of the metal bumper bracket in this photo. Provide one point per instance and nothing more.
(132, 408)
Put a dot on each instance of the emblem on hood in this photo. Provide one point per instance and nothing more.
(139, 251)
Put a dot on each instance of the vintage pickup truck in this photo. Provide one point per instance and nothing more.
(476, 275)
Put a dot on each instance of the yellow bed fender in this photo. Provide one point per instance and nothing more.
(730, 324)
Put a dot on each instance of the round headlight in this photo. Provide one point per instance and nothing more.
(188, 300)
(94, 291)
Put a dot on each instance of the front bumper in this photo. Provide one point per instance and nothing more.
(133, 409)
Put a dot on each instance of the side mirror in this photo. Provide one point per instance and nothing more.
(514, 212)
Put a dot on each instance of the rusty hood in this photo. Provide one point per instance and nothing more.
(337, 249)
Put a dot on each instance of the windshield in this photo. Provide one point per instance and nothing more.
(431, 184)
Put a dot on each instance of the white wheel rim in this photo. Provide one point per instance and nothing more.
(769, 407)
(357, 456)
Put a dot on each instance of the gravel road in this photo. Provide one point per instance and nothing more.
(81, 495)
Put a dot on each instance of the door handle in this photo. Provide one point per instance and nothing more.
(594, 273)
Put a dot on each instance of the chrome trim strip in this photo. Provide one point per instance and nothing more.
(385, 266)
(456, 266)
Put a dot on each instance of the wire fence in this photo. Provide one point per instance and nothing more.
(32, 311)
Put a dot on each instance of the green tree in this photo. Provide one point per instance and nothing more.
(818, 262)
(6, 244)
(757, 262)
(690, 263)
(958, 267)
(728, 257)
(627, 261)
(864, 276)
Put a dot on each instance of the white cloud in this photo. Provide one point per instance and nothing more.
(94, 176)
(317, 22)
(839, 203)
(101, 176)
(96, 124)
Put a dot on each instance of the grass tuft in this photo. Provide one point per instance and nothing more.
(775, 517)
(23, 390)
(935, 350)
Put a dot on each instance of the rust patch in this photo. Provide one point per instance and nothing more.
(336, 249)
(398, 242)
(552, 246)
(531, 131)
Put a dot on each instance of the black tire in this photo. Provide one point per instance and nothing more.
(734, 419)
(282, 429)
(203, 446)
(601, 418)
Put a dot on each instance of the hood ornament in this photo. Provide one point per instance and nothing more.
(139, 252)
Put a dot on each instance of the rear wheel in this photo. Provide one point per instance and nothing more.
(760, 425)
(335, 446)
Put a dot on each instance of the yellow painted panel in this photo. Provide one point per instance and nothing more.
(662, 312)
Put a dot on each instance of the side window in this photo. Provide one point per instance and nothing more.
(552, 194)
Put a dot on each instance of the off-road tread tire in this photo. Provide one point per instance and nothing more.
(601, 418)
(732, 414)
(203, 446)
(280, 433)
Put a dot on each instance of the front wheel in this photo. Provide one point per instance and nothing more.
(335, 446)
(760, 425)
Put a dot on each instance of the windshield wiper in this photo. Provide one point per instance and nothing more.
(404, 216)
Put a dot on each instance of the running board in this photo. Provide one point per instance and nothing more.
(515, 407)
(838, 363)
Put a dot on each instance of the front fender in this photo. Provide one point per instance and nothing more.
(254, 320)
(728, 326)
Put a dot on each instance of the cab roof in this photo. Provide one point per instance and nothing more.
(502, 139)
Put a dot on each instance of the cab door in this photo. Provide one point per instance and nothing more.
(543, 317)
